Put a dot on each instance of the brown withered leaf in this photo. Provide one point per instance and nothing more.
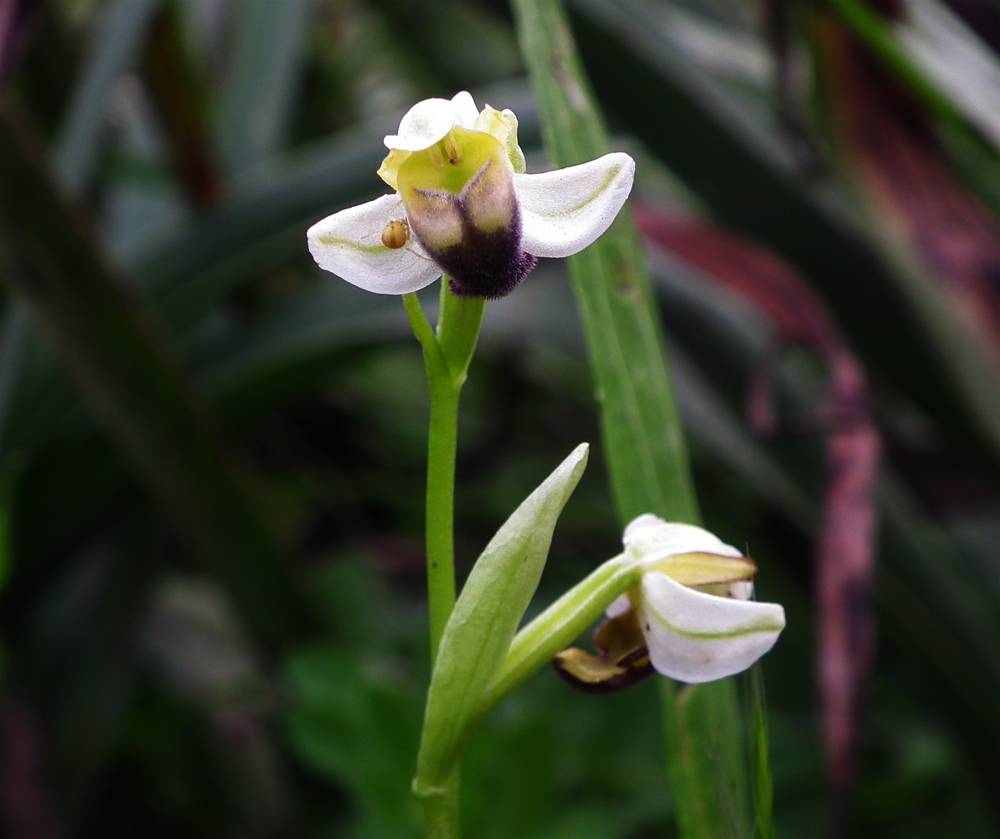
(622, 659)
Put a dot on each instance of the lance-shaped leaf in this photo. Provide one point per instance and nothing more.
(647, 457)
(484, 620)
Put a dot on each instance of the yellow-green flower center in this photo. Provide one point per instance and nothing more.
(461, 184)
(450, 164)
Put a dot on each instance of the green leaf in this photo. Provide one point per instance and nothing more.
(761, 768)
(261, 79)
(642, 435)
(484, 620)
(120, 33)
(645, 448)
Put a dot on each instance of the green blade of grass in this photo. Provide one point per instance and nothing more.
(260, 79)
(642, 437)
(648, 460)
(121, 31)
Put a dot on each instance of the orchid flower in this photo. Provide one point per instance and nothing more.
(463, 206)
(690, 617)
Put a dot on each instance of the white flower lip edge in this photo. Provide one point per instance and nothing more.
(693, 636)
(562, 211)
(429, 121)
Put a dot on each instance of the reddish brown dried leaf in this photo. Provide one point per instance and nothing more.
(886, 138)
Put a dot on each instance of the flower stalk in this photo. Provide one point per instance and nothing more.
(447, 354)
(560, 624)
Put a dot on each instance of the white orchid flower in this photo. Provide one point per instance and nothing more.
(463, 206)
(689, 616)
(693, 604)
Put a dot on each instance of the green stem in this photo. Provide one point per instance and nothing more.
(447, 355)
(441, 812)
(458, 330)
(442, 440)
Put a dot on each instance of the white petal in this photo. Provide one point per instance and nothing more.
(564, 211)
(643, 522)
(349, 244)
(653, 538)
(424, 124)
(466, 112)
(696, 637)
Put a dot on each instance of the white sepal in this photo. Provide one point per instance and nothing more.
(430, 120)
(349, 244)
(697, 637)
(564, 211)
(466, 112)
(654, 539)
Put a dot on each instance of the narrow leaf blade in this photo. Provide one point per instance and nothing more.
(642, 435)
(485, 618)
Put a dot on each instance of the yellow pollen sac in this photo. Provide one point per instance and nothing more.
(395, 234)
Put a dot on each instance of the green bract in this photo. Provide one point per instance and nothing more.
(482, 625)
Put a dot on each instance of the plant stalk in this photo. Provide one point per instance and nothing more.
(447, 355)
(442, 440)
(441, 812)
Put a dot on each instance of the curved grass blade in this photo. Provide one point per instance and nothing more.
(642, 435)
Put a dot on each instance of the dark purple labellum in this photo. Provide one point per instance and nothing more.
(489, 265)
(485, 263)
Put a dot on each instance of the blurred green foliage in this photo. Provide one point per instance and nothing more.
(138, 693)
